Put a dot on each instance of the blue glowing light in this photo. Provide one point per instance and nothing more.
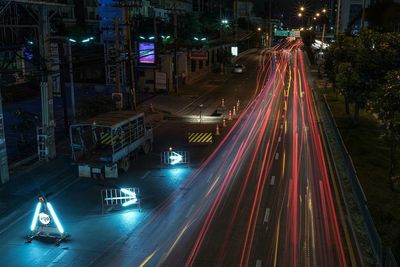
(151, 38)
(36, 216)
(175, 158)
(130, 202)
(204, 38)
(85, 40)
(53, 214)
(196, 38)
(131, 194)
(72, 40)
(141, 37)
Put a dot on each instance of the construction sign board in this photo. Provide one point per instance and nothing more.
(45, 223)
(203, 138)
(174, 157)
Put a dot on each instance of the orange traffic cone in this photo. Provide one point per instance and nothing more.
(234, 111)
(230, 116)
(222, 103)
(217, 131)
(223, 122)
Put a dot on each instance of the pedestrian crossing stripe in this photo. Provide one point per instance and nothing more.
(202, 138)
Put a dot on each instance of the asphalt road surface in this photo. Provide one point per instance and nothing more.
(263, 197)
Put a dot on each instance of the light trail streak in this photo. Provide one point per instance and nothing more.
(306, 231)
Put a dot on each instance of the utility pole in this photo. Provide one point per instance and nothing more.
(4, 174)
(45, 134)
(71, 80)
(270, 23)
(128, 39)
(235, 12)
(118, 59)
(363, 15)
(338, 14)
(175, 48)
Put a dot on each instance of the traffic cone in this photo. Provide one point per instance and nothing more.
(152, 107)
(222, 103)
(230, 116)
(234, 111)
(223, 122)
(237, 105)
(217, 131)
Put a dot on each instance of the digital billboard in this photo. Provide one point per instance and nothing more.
(146, 53)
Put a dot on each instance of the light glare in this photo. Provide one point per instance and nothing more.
(53, 214)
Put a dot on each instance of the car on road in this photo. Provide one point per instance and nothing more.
(239, 68)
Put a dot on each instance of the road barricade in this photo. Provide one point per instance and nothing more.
(200, 138)
(174, 157)
(119, 197)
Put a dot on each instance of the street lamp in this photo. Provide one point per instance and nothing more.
(302, 8)
(300, 15)
(259, 29)
(317, 14)
(324, 10)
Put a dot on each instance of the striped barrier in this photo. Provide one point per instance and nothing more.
(200, 138)
(106, 138)
(174, 157)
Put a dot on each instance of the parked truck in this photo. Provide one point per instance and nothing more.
(107, 143)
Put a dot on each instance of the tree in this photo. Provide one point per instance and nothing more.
(348, 81)
(387, 106)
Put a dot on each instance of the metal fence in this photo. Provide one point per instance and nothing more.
(119, 197)
(174, 157)
(359, 196)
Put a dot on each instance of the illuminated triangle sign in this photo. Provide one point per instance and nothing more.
(45, 218)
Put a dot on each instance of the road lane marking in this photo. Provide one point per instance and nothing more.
(212, 186)
(258, 263)
(56, 261)
(145, 175)
(190, 211)
(266, 216)
(272, 180)
(146, 260)
(277, 156)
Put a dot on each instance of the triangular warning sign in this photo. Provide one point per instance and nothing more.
(45, 220)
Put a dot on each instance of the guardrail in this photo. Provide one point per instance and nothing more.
(361, 200)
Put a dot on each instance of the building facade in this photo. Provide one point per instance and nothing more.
(351, 13)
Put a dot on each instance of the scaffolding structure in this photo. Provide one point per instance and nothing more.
(117, 21)
(19, 19)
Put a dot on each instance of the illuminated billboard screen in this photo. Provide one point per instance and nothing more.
(146, 53)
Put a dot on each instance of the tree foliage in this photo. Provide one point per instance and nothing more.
(358, 64)
(387, 105)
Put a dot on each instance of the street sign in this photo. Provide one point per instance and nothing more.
(282, 33)
(174, 157)
(119, 197)
(45, 223)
